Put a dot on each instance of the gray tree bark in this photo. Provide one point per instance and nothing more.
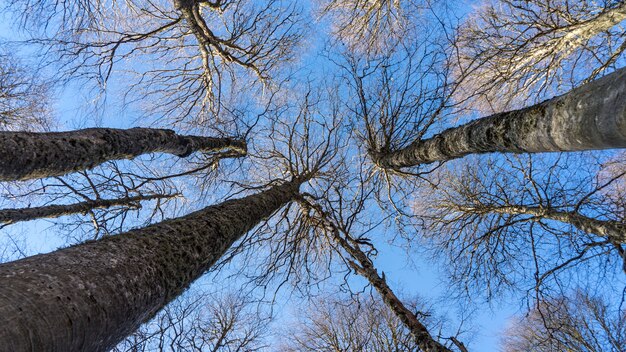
(27, 155)
(590, 117)
(11, 216)
(90, 296)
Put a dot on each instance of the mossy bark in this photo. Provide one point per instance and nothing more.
(11, 216)
(27, 155)
(90, 296)
(590, 117)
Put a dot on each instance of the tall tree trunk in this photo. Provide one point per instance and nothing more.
(90, 296)
(11, 216)
(366, 268)
(27, 155)
(590, 117)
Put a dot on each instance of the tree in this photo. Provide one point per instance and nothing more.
(145, 269)
(27, 155)
(373, 27)
(349, 324)
(202, 322)
(320, 154)
(401, 94)
(11, 216)
(330, 219)
(510, 52)
(527, 224)
(589, 117)
(113, 180)
(24, 97)
(578, 322)
(362, 265)
(195, 53)
(152, 265)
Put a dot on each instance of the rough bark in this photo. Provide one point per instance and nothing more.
(11, 216)
(90, 296)
(366, 268)
(27, 155)
(590, 117)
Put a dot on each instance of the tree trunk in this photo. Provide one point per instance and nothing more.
(366, 269)
(612, 230)
(27, 155)
(590, 117)
(90, 296)
(11, 216)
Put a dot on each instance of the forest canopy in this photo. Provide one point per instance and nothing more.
(360, 175)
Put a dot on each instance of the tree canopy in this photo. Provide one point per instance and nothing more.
(399, 167)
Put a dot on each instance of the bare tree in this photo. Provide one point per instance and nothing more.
(358, 324)
(524, 224)
(306, 242)
(24, 97)
(370, 27)
(509, 52)
(25, 155)
(404, 96)
(193, 51)
(201, 322)
(315, 234)
(579, 322)
(145, 269)
(397, 96)
(313, 166)
(403, 99)
(359, 261)
(155, 264)
(587, 118)
(11, 216)
(103, 201)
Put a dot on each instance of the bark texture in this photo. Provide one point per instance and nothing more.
(90, 296)
(590, 117)
(11, 216)
(27, 155)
